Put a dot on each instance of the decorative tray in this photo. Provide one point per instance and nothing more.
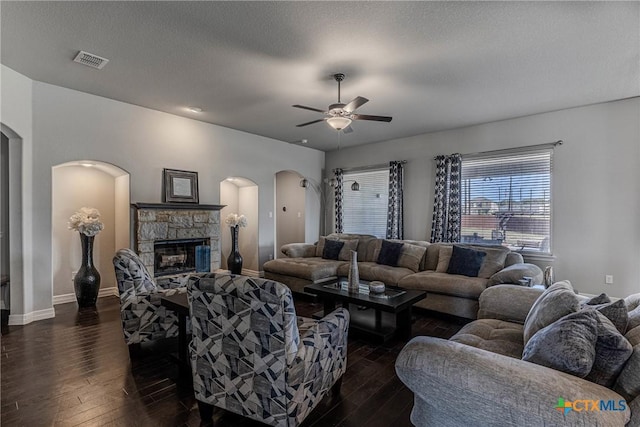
(363, 289)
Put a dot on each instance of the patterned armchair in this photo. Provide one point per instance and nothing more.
(143, 317)
(251, 355)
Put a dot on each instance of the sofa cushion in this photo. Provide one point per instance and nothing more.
(374, 271)
(446, 284)
(364, 247)
(493, 335)
(444, 256)
(556, 301)
(612, 352)
(312, 269)
(389, 253)
(332, 249)
(599, 299)
(615, 311)
(628, 382)
(464, 261)
(566, 345)
(513, 273)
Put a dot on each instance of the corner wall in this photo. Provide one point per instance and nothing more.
(596, 184)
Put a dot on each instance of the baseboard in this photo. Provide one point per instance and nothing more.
(66, 298)
(24, 319)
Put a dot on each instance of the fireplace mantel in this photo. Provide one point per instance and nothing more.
(177, 206)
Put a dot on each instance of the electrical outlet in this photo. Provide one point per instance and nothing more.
(73, 275)
(270, 257)
(608, 279)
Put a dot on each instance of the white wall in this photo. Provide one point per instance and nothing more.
(59, 125)
(248, 238)
(4, 206)
(75, 187)
(596, 184)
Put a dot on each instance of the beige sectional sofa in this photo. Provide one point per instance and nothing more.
(421, 266)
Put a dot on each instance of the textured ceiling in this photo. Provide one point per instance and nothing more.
(430, 65)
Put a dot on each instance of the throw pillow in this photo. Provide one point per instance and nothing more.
(556, 301)
(566, 345)
(444, 256)
(349, 245)
(600, 299)
(466, 262)
(332, 249)
(633, 305)
(514, 273)
(612, 352)
(493, 261)
(411, 256)
(389, 253)
(320, 246)
(615, 311)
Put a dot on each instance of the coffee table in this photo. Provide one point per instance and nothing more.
(384, 316)
(179, 303)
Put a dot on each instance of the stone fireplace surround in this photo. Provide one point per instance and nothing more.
(175, 221)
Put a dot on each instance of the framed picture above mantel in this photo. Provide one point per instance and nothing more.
(179, 186)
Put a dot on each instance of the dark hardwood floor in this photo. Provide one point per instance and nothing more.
(75, 370)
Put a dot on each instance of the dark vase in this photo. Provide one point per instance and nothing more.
(87, 280)
(234, 262)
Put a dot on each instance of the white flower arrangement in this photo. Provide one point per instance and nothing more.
(86, 221)
(235, 220)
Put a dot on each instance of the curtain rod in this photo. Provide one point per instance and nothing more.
(515, 149)
(363, 168)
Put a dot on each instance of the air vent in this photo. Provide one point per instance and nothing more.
(90, 60)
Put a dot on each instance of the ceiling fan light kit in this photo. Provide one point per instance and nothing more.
(339, 115)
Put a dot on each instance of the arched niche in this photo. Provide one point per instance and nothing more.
(240, 195)
(290, 210)
(95, 184)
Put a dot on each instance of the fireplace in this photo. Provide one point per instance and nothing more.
(180, 256)
(177, 230)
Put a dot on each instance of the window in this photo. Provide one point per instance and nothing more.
(365, 211)
(506, 199)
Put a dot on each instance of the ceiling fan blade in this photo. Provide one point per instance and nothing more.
(309, 108)
(356, 103)
(348, 129)
(310, 123)
(374, 118)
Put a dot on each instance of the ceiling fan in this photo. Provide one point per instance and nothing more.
(339, 115)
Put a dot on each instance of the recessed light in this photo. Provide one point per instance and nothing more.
(195, 109)
(87, 164)
(304, 141)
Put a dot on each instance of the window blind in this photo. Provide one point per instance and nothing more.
(506, 199)
(365, 211)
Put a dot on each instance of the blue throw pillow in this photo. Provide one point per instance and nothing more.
(390, 253)
(332, 249)
(466, 262)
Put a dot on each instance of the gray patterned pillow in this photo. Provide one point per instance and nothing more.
(615, 311)
(612, 352)
(633, 305)
(556, 301)
(566, 345)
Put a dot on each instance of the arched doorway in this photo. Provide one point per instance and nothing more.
(87, 183)
(290, 210)
(240, 195)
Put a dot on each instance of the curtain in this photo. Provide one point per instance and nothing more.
(445, 226)
(338, 200)
(395, 223)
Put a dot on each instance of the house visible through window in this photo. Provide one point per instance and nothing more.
(365, 210)
(506, 200)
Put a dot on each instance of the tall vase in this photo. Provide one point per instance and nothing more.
(353, 280)
(87, 280)
(234, 262)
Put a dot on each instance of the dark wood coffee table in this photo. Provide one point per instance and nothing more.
(380, 316)
(180, 305)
